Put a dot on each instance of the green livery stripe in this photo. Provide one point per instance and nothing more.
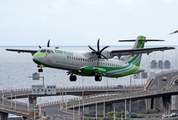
(138, 45)
(89, 73)
(126, 73)
(136, 54)
(134, 58)
(129, 57)
(39, 54)
(138, 64)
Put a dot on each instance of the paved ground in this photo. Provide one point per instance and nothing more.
(158, 80)
(55, 114)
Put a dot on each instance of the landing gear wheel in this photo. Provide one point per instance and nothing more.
(98, 78)
(40, 66)
(40, 70)
(73, 78)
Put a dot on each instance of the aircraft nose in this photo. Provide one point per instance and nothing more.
(36, 58)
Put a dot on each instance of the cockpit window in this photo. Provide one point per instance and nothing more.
(43, 51)
(48, 51)
(51, 51)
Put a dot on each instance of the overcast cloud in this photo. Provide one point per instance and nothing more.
(82, 22)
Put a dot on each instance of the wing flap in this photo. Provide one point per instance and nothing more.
(20, 50)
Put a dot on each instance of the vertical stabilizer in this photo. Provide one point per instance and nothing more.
(135, 59)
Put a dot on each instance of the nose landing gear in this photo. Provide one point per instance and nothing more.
(40, 70)
(40, 66)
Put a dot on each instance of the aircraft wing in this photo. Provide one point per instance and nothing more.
(132, 52)
(20, 50)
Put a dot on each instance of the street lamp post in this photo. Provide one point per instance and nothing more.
(175, 59)
(130, 106)
(83, 103)
(149, 66)
(11, 98)
(130, 82)
(155, 60)
(15, 100)
(104, 109)
(79, 106)
(96, 110)
(66, 99)
(73, 113)
(125, 108)
(114, 107)
(121, 114)
(3, 97)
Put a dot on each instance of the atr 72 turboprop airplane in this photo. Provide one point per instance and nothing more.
(96, 63)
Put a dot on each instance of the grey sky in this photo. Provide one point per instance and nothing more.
(82, 22)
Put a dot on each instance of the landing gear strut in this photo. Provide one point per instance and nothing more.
(73, 78)
(40, 70)
(98, 78)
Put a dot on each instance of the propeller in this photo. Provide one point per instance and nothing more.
(48, 43)
(98, 51)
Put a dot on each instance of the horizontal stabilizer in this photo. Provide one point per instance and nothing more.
(147, 40)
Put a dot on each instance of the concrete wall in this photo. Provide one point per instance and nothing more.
(158, 103)
(174, 102)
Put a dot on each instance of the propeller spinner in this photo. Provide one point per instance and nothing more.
(98, 51)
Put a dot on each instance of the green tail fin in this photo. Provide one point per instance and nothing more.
(136, 59)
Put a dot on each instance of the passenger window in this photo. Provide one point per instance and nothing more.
(48, 51)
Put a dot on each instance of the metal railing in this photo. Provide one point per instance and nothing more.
(127, 93)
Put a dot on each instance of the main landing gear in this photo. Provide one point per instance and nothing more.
(40, 70)
(73, 78)
(98, 78)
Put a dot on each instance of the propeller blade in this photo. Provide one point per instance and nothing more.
(97, 62)
(39, 46)
(104, 48)
(98, 47)
(48, 43)
(104, 57)
(92, 49)
(98, 52)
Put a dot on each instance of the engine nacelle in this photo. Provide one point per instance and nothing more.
(106, 53)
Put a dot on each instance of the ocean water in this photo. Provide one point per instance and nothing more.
(15, 69)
